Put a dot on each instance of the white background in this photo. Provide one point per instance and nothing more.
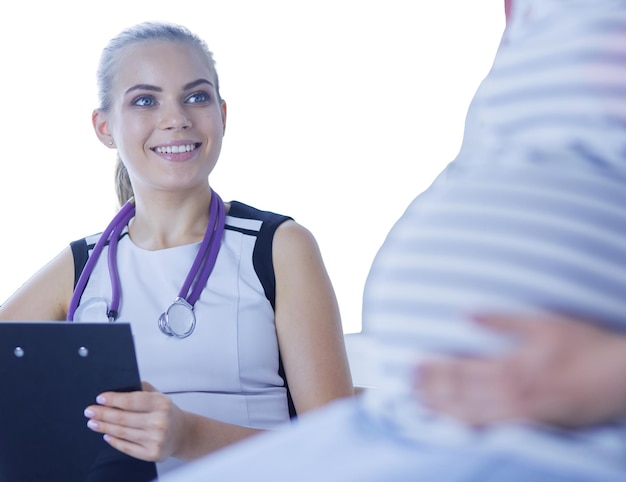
(339, 113)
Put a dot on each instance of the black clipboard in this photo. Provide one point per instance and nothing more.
(49, 373)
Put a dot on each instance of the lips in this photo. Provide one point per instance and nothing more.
(177, 152)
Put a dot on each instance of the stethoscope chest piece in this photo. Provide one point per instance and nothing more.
(178, 320)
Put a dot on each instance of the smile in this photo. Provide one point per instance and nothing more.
(176, 149)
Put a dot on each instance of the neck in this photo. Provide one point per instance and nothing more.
(167, 220)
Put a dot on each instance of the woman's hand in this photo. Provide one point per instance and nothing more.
(564, 372)
(145, 425)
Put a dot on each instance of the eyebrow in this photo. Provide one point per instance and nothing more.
(195, 83)
(154, 88)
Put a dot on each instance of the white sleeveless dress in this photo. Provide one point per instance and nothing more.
(228, 369)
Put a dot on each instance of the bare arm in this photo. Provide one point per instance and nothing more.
(308, 321)
(45, 296)
(565, 372)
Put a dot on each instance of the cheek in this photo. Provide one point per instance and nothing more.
(212, 118)
(132, 134)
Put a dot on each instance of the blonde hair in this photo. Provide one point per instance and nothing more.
(123, 186)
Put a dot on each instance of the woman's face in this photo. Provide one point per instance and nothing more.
(166, 120)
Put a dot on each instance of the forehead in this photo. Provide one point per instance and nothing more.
(161, 62)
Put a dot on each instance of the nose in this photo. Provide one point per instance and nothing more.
(174, 117)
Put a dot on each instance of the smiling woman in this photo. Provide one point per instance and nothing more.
(329, 102)
(217, 294)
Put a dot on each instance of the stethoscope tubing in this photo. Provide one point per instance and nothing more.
(200, 270)
(213, 241)
(113, 269)
(95, 255)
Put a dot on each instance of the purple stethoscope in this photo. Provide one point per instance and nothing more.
(179, 320)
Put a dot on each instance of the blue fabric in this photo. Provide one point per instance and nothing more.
(342, 443)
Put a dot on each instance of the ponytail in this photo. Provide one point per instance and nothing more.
(123, 187)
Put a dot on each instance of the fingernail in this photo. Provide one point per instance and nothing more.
(89, 413)
(92, 424)
(101, 399)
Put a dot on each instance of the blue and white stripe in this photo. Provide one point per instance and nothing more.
(530, 217)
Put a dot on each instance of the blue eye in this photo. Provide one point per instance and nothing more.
(144, 101)
(198, 97)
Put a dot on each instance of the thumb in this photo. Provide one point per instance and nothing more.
(147, 387)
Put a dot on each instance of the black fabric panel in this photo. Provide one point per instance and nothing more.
(81, 255)
(264, 265)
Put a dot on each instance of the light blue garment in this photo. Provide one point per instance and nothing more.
(341, 443)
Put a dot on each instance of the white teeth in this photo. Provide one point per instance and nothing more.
(175, 149)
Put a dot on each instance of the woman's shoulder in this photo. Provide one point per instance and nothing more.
(269, 222)
(270, 229)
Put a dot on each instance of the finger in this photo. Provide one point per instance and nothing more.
(130, 429)
(102, 417)
(436, 382)
(522, 326)
(474, 391)
(125, 446)
(138, 435)
(147, 387)
(463, 371)
(440, 389)
(121, 431)
(131, 401)
(141, 451)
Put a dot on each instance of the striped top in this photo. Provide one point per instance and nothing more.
(530, 217)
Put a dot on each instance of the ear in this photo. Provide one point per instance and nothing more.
(101, 127)
(223, 109)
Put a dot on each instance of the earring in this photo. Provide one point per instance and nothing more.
(110, 143)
